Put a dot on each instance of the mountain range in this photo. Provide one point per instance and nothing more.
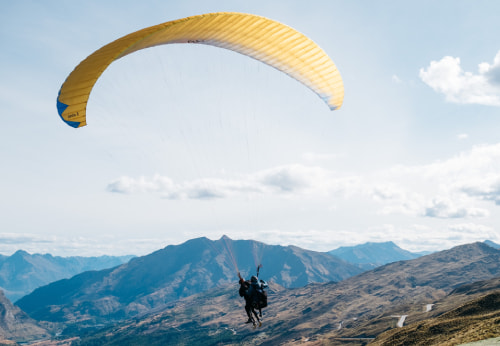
(354, 311)
(155, 280)
(22, 272)
(189, 292)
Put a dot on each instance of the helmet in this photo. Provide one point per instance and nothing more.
(254, 279)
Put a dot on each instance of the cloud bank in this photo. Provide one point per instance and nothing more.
(451, 188)
(456, 188)
(283, 180)
(68, 245)
(447, 77)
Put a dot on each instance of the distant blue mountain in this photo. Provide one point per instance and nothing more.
(370, 255)
(22, 272)
(492, 244)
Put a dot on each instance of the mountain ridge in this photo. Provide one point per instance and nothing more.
(175, 272)
(22, 272)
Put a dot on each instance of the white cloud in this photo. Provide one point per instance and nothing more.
(67, 245)
(396, 79)
(313, 157)
(142, 184)
(451, 188)
(462, 136)
(447, 208)
(446, 76)
(484, 232)
(283, 180)
(388, 191)
(448, 189)
(207, 188)
(419, 237)
(487, 189)
(288, 178)
(8, 239)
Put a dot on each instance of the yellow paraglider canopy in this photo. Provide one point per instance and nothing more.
(263, 39)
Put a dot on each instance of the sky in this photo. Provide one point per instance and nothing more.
(187, 141)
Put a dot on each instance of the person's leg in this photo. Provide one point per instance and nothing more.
(256, 317)
(249, 314)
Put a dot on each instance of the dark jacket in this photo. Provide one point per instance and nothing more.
(244, 285)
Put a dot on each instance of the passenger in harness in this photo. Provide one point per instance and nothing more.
(257, 294)
(255, 298)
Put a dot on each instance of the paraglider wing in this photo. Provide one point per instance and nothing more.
(263, 39)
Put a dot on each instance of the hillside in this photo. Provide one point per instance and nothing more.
(16, 325)
(371, 255)
(152, 281)
(22, 272)
(469, 313)
(352, 311)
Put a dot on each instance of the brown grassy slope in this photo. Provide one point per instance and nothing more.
(476, 320)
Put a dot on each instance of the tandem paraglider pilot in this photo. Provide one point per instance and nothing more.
(253, 291)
